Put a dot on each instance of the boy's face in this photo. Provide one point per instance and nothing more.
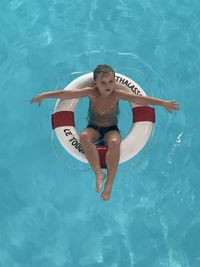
(105, 83)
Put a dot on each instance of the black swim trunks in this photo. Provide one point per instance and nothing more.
(103, 131)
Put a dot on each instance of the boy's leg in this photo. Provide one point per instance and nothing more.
(87, 137)
(113, 140)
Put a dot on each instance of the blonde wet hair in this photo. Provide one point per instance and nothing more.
(102, 69)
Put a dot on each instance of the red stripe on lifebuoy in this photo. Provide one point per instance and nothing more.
(62, 118)
(102, 156)
(143, 113)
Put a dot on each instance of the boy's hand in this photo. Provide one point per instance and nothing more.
(171, 105)
(37, 99)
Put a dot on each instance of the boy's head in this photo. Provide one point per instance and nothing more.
(103, 70)
(104, 78)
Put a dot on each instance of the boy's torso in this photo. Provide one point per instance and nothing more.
(103, 111)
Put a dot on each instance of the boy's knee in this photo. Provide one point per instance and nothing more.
(114, 142)
(84, 137)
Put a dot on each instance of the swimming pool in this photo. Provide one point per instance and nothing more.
(50, 214)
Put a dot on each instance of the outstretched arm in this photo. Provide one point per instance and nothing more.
(146, 100)
(62, 94)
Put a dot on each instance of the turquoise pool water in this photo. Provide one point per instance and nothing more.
(50, 214)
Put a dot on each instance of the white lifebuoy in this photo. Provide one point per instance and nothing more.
(64, 125)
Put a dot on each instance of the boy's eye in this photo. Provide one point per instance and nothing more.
(111, 81)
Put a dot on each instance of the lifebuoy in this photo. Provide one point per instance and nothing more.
(64, 125)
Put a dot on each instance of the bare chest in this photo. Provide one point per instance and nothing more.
(103, 106)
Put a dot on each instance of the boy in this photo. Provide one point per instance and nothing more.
(102, 120)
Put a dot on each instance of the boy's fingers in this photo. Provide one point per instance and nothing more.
(176, 106)
(34, 99)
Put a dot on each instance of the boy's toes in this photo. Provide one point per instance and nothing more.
(98, 187)
(105, 196)
(106, 193)
(99, 180)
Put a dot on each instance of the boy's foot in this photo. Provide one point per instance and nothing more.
(99, 180)
(106, 192)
